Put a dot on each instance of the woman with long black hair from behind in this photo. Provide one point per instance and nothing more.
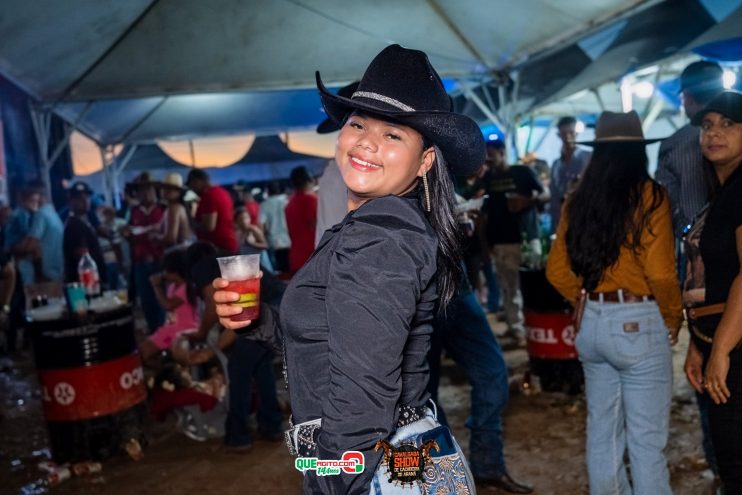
(357, 318)
(614, 253)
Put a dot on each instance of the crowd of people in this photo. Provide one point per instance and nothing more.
(364, 284)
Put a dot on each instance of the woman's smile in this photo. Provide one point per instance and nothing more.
(363, 165)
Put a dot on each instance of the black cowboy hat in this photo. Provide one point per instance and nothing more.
(401, 85)
(329, 125)
(617, 127)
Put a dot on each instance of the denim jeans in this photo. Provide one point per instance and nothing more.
(466, 335)
(493, 290)
(153, 312)
(704, 404)
(726, 428)
(625, 353)
(250, 361)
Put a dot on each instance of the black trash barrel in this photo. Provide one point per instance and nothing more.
(550, 334)
(92, 383)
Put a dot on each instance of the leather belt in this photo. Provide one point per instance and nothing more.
(708, 310)
(619, 296)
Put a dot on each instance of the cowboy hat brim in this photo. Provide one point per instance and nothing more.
(327, 126)
(620, 139)
(457, 136)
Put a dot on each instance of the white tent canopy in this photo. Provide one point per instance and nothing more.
(142, 70)
(101, 49)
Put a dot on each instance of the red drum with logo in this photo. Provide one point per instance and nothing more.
(550, 334)
(92, 383)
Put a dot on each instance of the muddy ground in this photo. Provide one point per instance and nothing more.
(544, 439)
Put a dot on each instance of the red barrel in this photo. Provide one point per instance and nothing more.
(550, 335)
(92, 383)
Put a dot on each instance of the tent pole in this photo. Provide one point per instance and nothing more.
(510, 129)
(530, 135)
(470, 95)
(193, 153)
(42, 131)
(541, 140)
(69, 129)
(488, 96)
(599, 98)
(457, 32)
(119, 164)
(41, 119)
(652, 115)
(107, 182)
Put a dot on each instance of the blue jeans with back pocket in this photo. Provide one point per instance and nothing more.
(625, 353)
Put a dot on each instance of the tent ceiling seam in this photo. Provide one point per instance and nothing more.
(141, 121)
(368, 33)
(456, 31)
(71, 87)
(547, 47)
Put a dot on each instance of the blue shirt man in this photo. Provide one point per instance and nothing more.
(17, 230)
(567, 169)
(48, 229)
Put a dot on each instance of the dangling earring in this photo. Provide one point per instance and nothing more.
(427, 192)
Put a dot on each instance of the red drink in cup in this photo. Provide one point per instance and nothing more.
(249, 291)
(243, 274)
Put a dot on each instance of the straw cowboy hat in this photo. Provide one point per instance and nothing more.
(401, 85)
(615, 127)
(173, 181)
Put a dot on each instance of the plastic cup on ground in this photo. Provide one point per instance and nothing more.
(243, 274)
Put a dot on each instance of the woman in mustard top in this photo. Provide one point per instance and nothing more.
(615, 241)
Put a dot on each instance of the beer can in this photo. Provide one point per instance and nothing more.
(77, 303)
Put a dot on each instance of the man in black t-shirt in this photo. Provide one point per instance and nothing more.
(79, 235)
(514, 192)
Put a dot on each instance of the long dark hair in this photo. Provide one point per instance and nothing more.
(443, 221)
(607, 210)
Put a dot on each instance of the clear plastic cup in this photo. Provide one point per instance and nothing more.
(243, 274)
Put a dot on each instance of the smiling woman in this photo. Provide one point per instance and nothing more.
(357, 318)
(377, 158)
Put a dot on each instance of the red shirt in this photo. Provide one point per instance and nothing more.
(217, 200)
(144, 250)
(253, 208)
(301, 220)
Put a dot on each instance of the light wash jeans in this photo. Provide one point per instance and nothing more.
(625, 353)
